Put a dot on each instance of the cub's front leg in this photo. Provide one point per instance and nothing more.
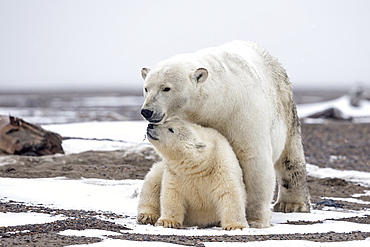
(231, 205)
(149, 207)
(171, 201)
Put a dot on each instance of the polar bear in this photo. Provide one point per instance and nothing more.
(243, 92)
(202, 182)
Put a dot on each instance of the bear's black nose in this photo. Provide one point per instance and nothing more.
(146, 113)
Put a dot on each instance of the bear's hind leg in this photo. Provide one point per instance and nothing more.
(291, 172)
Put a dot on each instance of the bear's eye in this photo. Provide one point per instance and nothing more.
(171, 130)
(146, 90)
(166, 89)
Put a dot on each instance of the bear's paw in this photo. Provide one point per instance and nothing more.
(291, 207)
(169, 223)
(145, 218)
(259, 224)
(234, 226)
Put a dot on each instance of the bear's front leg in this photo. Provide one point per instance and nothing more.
(172, 205)
(259, 179)
(149, 207)
(233, 221)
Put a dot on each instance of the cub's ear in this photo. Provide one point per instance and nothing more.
(200, 146)
(144, 72)
(200, 75)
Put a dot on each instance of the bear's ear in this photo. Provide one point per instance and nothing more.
(144, 72)
(200, 75)
(200, 146)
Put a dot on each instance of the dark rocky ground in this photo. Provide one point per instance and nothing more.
(340, 145)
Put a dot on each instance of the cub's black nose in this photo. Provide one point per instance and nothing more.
(146, 113)
(150, 126)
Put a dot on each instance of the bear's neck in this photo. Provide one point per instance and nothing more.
(207, 119)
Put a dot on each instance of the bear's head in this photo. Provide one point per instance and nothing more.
(176, 139)
(168, 90)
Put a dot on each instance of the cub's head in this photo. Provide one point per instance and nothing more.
(168, 91)
(176, 138)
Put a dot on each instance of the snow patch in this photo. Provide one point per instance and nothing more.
(342, 104)
(15, 219)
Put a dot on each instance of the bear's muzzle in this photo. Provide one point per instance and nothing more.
(151, 116)
(150, 131)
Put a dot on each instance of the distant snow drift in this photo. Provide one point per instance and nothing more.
(341, 105)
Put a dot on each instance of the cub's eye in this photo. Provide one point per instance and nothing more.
(146, 90)
(171, 130)
(166, 89)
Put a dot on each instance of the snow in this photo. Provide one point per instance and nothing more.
(126, 243)
(289, 243)
(86, 194)
(362, 178)
(121, 135)
(361, 113)
(121, 196)
(269, 243)
(129, 131)
(15, 219)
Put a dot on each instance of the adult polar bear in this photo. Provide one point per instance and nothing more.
(243, 92)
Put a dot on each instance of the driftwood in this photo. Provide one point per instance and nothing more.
(22, 138)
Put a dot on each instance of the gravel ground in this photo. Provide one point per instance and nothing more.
(340, 145)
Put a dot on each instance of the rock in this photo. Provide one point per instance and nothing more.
(22, 138)
(330, 203)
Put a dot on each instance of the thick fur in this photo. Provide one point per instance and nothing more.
(243, 92)
(202, 182)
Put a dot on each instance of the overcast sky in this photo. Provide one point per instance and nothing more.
(62, 44)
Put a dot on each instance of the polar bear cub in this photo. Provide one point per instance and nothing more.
(202, 183)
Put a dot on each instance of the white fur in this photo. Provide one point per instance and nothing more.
(243, 92)
(202, 181)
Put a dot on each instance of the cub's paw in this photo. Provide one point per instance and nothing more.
(234, 226)
(168, 223)
(292, 207)
(145, 218)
